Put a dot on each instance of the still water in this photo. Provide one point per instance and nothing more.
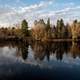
(58, 61)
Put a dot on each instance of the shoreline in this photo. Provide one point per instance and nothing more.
(14, 38)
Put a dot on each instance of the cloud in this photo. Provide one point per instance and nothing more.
(68, 14)
(57, 12)
(10, 15)
(39, 6)
(30, 8)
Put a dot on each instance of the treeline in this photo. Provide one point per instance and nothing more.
(18, 32)
(43, 31)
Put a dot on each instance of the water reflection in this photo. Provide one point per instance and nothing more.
(40, 51)
(54, 55)
(46, 49)
(24, 50)
(75, 50)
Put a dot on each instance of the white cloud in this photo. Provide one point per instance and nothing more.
(10, 15)
(68, 14)
(39, 6)
(52, 12)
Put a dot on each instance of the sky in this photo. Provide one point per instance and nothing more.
(14, 11)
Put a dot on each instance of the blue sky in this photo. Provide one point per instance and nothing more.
(14, 11)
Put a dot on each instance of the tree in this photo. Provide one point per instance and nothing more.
(48, 29)
(60, 28)
(53, 32)
(67, 33)
(24, 28)
(61, 23)
(74, 30)
(38, 30)
(48, 24)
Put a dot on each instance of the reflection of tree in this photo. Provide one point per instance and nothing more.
(47, 51)
(62, 48)
(42, 50)
(24, 51)
(38, 49)
(75, 50)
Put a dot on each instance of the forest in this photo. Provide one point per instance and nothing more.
(43, 31)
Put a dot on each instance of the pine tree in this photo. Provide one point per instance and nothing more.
(24, 28)
(48, 28)
(60, 28)
(48, 24)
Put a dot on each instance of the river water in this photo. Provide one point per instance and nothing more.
(48, 61)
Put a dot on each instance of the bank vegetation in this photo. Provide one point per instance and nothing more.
(43, 31)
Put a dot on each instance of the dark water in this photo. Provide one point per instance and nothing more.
(39, 61)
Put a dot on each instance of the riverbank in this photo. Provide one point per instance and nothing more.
(62, 40)
(30, 39)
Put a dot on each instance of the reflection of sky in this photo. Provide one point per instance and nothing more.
(8, 55)
(67, 61)
(7, 52)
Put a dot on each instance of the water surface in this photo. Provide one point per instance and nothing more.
(58, 61)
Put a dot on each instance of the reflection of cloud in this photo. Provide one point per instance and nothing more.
(7, 55)
(7, 52)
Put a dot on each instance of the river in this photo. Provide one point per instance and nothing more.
(38, 61)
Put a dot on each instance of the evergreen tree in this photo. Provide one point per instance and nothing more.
(60, 28)
(48, 24)
(61, 24)
(24, 28)
(48, 29)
